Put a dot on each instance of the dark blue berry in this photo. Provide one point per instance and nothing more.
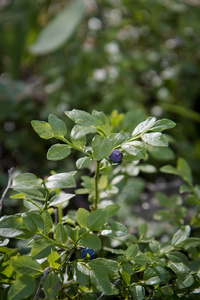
(116, 156)
(86, 251)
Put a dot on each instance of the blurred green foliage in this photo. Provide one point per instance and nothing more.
(128, 58)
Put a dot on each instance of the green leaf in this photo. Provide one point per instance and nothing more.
(163, 124)
(11, 226)
(163, 199)
(83, 162)
(33, 221)
(131, 251)
(184, 170)
(60, 234)
(51, 285)
(144, 126)
(82, 217)
(176, 256)
(104, 125)
(57, 200)
(54, 260)
(82, 118)
(58, 152)
(127, 267)
(169, 170)
(26, 265)
(48, 223)
(114, 229)
(72, 233)
(185, 282)
(191, 243)
(161, 153)
(101, 281)
(112, 209)
(155, 275)
(78, 135)
(18, 196)
(60, 29)
(137, 292)
(135, 148)
(142, 259)
(143, 229)
(58, 126)
(22, 288)
(102, 147)
(91, 241)
(126, 278)
(97, 219)
(179, 268)
(61, 180)
(162, 215)
(80, 273)
(32, 194)
(41, 248)
(109, 266)
(26, 181)
(78, 132)
(146, 168)
(167, 291)
(4, 242)
(43, 129)
(118, 138)
(173, 202)
(155, 246)
(181, 235)
(186, 189)
(155, 139)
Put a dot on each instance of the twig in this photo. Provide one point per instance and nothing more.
(10, 178)
(100, 296)
(41, 282)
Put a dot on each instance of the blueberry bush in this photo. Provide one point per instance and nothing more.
(48, 252)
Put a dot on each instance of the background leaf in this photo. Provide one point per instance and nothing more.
(60, 29)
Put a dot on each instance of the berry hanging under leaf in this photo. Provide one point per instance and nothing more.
(116, 156)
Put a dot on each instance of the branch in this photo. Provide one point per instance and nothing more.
(10, 179)
(41, 282)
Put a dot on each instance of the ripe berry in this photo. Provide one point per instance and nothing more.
(116, 156)
(86, 251)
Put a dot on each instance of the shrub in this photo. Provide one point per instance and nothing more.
(87, 254)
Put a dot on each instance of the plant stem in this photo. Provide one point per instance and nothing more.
(96, 199)
(74, 146)
(46, 197)
(10, 178)
(60, 213)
